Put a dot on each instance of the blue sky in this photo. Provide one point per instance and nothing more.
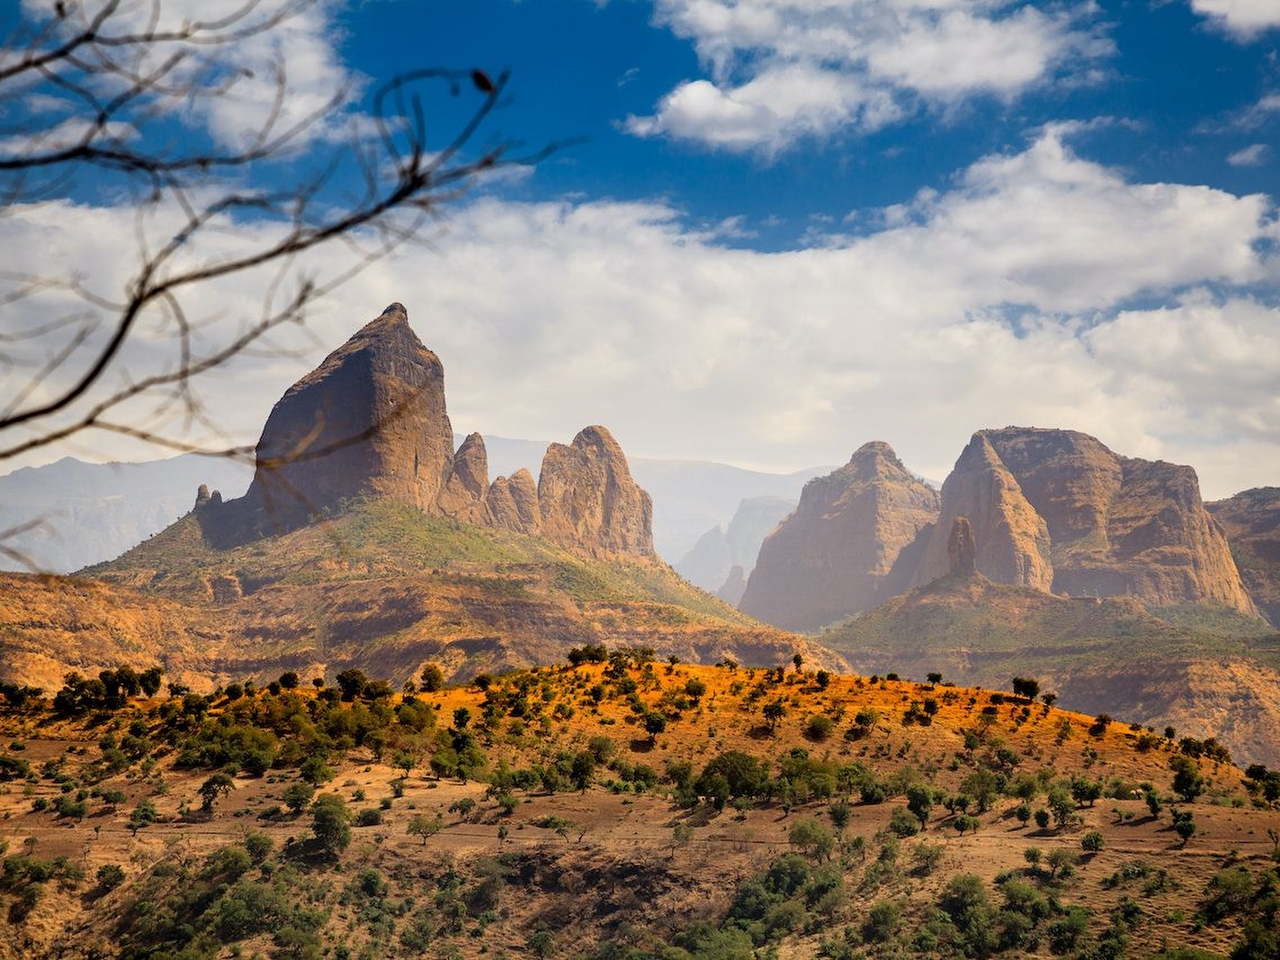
(781, 228)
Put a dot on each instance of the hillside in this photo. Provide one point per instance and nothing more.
(549, 814)
(1206, 672)
(379, 586)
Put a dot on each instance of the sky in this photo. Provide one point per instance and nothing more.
(768, 232)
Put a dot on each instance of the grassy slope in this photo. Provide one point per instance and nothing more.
(384, 588)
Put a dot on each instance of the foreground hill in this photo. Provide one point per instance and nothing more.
(629, 809)
(1206, 672)
(622, 809)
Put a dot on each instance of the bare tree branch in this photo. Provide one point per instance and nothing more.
(99, 98)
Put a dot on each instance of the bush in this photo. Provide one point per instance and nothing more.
(369, 817)
(1092, 841)
(818, 728)
(882, 921)
(331, 823)
(110, 876)
(903, 823)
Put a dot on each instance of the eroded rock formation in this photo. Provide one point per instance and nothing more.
(848, 546)
(588, 500)
(370, 421)
(1012, 540)
(1251, 521)
(1058, 511)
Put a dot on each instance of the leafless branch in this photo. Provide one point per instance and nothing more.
(124, 80)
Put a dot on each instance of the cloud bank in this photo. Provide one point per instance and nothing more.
(1042, 289)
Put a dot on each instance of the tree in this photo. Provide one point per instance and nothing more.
(144, 814)
(297, 796)
(1187, 781)
(420, 825)
(773, 713)
(1184, 825)
(920, 802)
(432, 678)
(582, 769)
(214, 789)
(1026, 688)
(126, 103)
(331, 823)
(110, 876)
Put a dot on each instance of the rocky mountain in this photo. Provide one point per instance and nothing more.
(1251, 521)
(850, 544)
(1057, 511)
(711, 562)
(1011, 540)
(371, 422)
(589, 501)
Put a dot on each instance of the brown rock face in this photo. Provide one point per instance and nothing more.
(849, 545)
(1056, 510)
(1012, 541)
(512, 503)
(369, 421)
(588, 500)
(962, 552)
(1251, 521)
(464, 492)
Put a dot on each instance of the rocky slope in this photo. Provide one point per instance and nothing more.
(1057, 511)
(1251, 521)
(848, 546)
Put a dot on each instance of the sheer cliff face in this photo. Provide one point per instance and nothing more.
(588, 500)
(1011, 540)
(848, 546)
(369, 421)
(1251, 521)
(1057, 511)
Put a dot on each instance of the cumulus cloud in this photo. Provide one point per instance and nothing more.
(1243, 18)
(1011, 298)
(786, 70)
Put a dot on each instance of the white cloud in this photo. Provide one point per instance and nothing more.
(1254, 155)
(1244, 18)
(1007, 299)
(786, 70)
(770, 112)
